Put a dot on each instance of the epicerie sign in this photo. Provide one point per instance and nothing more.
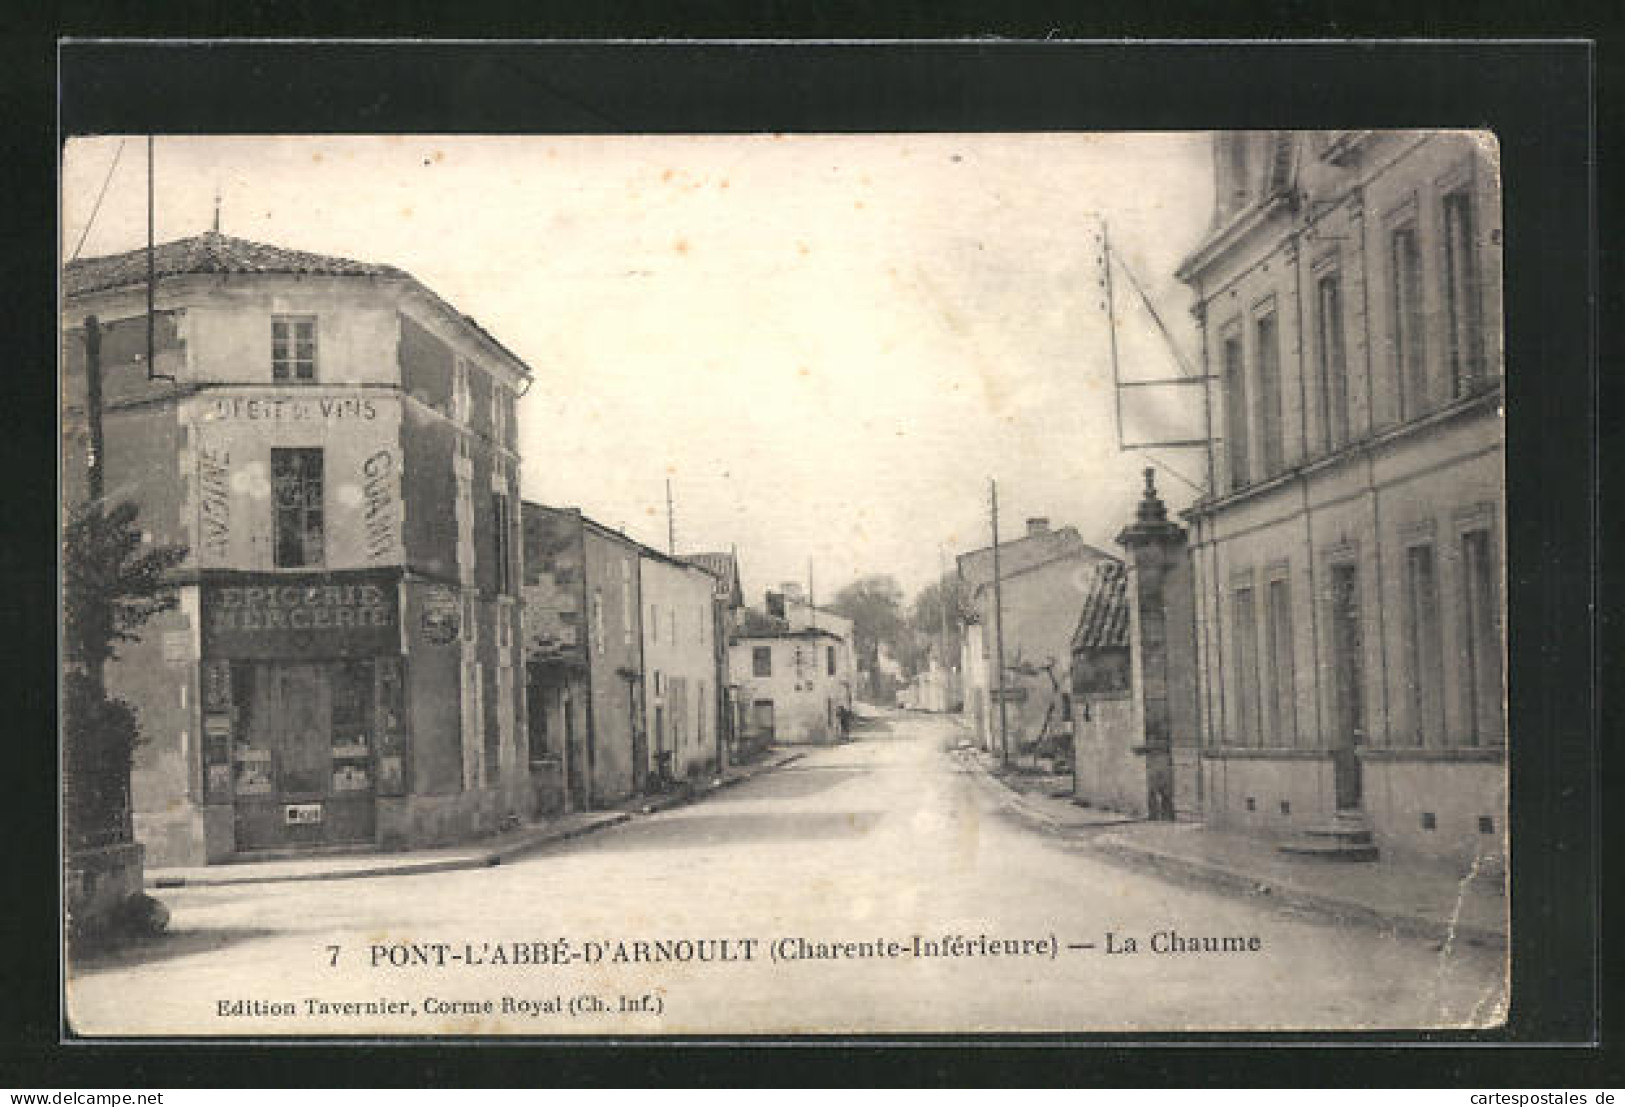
(322, 614)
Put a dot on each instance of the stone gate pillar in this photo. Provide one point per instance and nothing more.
(1156, 553)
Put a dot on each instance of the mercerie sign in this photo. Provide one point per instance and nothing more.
(305, 615)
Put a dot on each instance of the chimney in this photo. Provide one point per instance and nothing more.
(1037, 525)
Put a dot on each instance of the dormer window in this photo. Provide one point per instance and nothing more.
(293, 347)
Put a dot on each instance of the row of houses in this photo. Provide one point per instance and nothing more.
(1316, 655)
(377, 642)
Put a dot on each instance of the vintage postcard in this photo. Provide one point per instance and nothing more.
(785, 584)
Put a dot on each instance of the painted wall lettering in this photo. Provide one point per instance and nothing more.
(379, 511)
(321, 615)
(296, 409)
(214, 500)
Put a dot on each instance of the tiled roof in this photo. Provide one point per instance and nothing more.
(723, 566)
(720, 565)
(209, 252)
(1103, 622)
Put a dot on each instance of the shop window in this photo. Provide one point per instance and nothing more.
(1405, 308)
(1266, 333)
(1245, 619)
(1283, 716)
(354, 700)
(1331, 360)
(1461, 293)
(1235, 410)
(293, 347)
(296, 487)
(1424, 652)
(1485, 703)
(761, 661)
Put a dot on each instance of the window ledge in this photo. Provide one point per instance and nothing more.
(1433, 753)
(1264, 753)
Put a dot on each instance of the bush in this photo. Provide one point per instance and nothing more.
(99, 736)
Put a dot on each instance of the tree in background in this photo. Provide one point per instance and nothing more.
(937, 619)
(875, 606)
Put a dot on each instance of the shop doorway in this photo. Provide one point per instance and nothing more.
(303, 758)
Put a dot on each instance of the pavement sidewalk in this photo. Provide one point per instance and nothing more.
(1415, 899)
(506, 846)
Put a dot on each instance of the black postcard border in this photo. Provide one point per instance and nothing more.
(1537, 97)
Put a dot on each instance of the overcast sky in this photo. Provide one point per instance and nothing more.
(827, 343)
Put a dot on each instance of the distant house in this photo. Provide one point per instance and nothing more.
(728, 600)
(793, 683)
(724, 568)
(682, 667)
(934, 689)
(1108, 765)
(622, 662)
(1043, 579)
(583, 660)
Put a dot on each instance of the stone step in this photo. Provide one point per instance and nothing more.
(1331, 851)
(1352, 835)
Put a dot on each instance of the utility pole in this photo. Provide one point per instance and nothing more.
(152, 277)
(998, 628)
(942, 619)
(93, 409)
(1111, 327)
(671, 523)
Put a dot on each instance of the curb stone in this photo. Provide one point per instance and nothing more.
(480, 860)
(1221, 878)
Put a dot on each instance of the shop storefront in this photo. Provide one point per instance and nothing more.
(303, 706)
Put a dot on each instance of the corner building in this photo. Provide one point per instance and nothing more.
(1349, 558)
(335, 446)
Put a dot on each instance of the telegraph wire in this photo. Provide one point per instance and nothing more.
(91, 222)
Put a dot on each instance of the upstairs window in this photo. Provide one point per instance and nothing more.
(1405, 305)
(1461, 293)
(1332, 363)
(1235, 410)
(499, 416)
(1269, 393)
(296, 490)
(761, 661)
(502, 544)
(461, 398)
(293, 347)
